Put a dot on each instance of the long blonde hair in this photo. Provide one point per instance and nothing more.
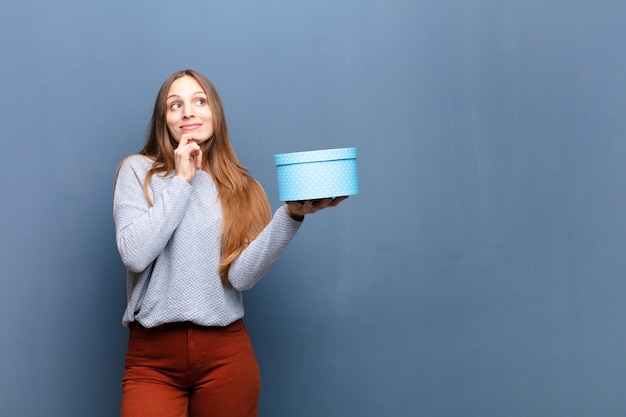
(245, 208)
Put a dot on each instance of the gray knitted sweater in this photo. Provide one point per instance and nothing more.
(172, 249)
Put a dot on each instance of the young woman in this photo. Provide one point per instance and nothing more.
(193, 229)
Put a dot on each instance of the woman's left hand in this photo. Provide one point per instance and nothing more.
(298, 209)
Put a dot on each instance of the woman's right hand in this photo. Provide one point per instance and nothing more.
(187, 157)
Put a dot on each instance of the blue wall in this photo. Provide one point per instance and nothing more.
(480, 272)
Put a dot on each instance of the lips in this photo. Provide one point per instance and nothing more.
(191, 126)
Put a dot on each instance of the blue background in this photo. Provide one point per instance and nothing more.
(479, 272)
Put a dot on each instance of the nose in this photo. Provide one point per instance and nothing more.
(188, 111)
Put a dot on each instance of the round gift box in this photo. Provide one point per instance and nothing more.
(318, 174)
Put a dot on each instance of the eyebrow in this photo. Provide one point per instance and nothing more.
(176, 95)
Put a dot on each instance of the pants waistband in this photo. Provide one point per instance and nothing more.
(182, 325)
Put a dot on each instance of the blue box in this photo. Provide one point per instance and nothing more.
(317, 174)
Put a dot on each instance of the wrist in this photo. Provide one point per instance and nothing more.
(296, 217)
(185, 178)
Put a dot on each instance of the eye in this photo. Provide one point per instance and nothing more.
(200, 101)
(174, 106)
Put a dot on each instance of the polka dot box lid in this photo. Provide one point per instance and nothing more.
(317, 174)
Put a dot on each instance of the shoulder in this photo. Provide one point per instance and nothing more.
(132, 167)
(137, 161)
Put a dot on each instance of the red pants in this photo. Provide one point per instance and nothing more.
(185, 370)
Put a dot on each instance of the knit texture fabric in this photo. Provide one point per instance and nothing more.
(172, 250)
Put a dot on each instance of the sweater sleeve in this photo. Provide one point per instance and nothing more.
(257, 259)
(142, 231)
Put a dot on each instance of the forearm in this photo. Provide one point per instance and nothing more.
(257, 259)
(142, 232)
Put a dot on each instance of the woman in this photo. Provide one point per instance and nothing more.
(193, 229)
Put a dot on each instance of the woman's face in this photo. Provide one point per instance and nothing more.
(188, 112)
